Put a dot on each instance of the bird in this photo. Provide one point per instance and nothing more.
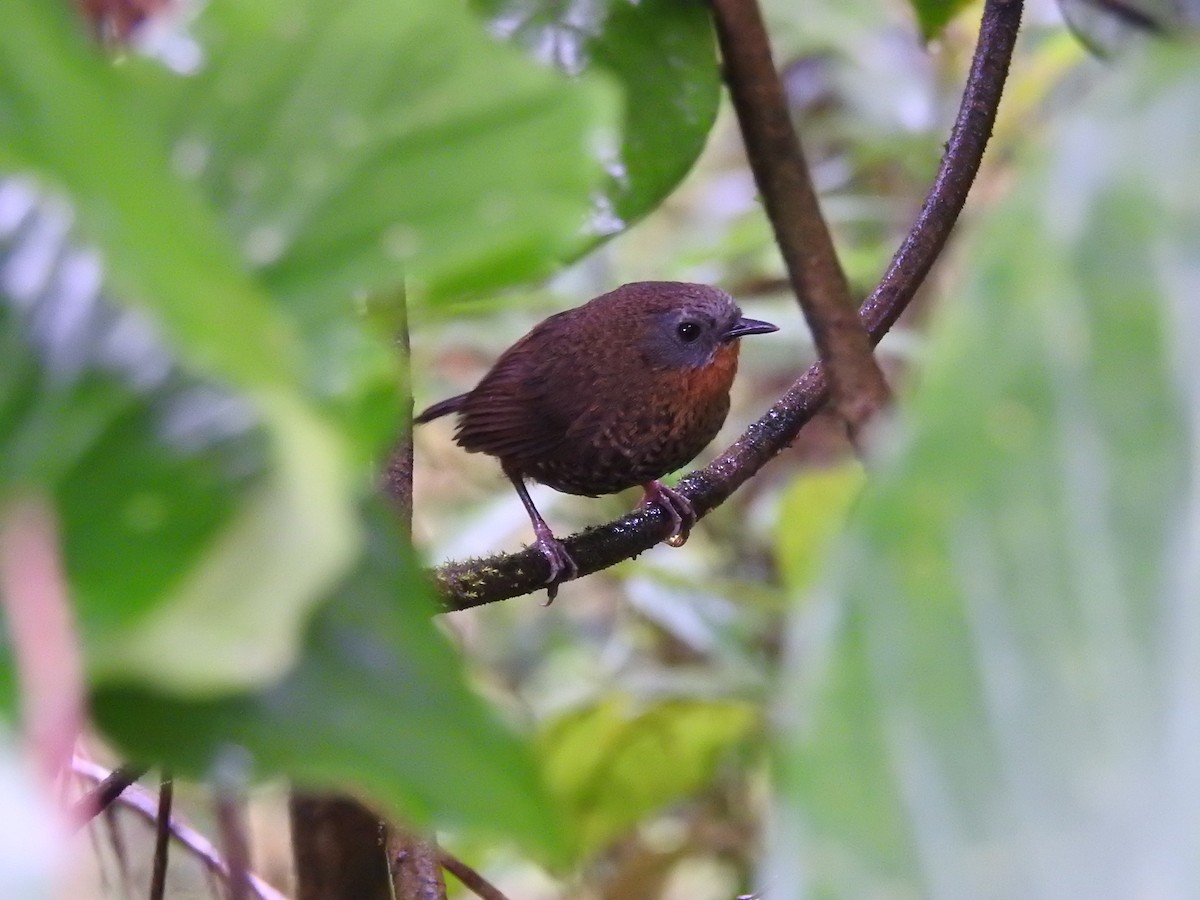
(612, 394)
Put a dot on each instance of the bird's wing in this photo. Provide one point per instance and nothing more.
(516, 412)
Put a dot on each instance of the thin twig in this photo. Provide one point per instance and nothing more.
(785, 184)
(462, 585)
(471, 879)
(145, 805)
(162, 838)
(99, 798)
(231, 826)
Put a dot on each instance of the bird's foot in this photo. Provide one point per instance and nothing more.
(678, 507)
(562, 565)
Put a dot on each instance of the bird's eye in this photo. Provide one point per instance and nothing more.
(688, 331)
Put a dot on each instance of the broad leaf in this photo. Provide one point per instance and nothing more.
(614, 762)
(662, 55)
(812, 514)
(350, 144)
(65, 118)
(187, 470)
(376, 705)
(190, 512)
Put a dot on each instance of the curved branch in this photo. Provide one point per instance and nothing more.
(231, 830)
(145, 805)
(955, 175)
(785, 183)
(461, 585)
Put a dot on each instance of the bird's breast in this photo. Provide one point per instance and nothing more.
(714, 380)
(646, 433)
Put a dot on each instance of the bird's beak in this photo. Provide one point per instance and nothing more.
(743, 327)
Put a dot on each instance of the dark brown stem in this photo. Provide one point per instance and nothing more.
(412, 858)
(337, 849)
(102, 795)
(464, 585)
(340, 848)
(784, 181)
(471, 880)
(231, 826)
(416, 866)
(162, 838)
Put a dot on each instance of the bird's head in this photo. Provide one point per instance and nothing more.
(689, 325)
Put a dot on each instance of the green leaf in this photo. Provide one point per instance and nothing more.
(350, 144)
(150, 387)
(64, 117)
(1007, 706)
(812, 514)
(615, 761)
(190, 512)
(376, 705)
(662, 55)
(934, 15)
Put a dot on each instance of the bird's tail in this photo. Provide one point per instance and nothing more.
(451, 405)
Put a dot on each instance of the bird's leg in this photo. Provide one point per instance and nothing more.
(562, 566)
(677, 506)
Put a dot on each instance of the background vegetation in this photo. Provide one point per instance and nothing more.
(971, 673)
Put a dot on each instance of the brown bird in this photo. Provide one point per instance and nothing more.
(615, 393)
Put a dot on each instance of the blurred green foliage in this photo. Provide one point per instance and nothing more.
(1010, 650)
(190, 377)
(612, 763)
(985, 674)
(934, 15)
(660, 52)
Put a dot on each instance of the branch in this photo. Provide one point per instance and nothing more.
(470, 879)
(462, 585)
(231, 828)
(162, 837)
(785, 183)
(145, 805)
(415, 866)
(99, 798)
(956, 174)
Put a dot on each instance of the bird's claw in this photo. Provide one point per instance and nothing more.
(677, 507)
(562, 565)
